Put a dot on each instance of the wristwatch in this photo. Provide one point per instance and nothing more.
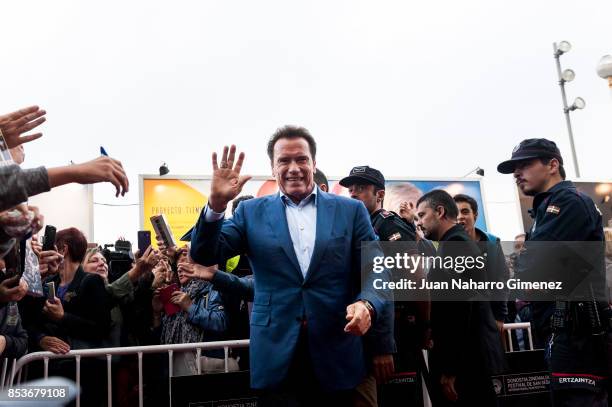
(369, 307)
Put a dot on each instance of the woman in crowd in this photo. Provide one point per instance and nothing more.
(120, 291)
(78, 317)
(199, 317)
(13, 338)
(80, 313)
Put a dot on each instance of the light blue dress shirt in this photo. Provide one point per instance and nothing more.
(302, 223)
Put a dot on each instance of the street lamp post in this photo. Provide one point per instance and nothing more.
(567, 76)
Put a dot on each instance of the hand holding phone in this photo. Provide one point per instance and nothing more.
(51, 291)
(165, 294)
(49, 238)
(144, 241)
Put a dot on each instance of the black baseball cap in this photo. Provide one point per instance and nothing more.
(364, 175)
(529, 149)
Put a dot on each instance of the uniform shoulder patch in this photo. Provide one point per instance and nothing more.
(394, 237)
(555, 210)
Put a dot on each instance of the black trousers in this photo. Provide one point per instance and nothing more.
(301, 387)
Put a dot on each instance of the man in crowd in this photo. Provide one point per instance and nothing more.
(463, 357)
(321, 180)
(412, 319)
(577, 338)
(305, 248)
(497, 270)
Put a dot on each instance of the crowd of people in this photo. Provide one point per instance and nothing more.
(284, 270)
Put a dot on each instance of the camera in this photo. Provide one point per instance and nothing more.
(119, 260)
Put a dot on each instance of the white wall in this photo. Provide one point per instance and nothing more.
(412, 88)
(68, 206)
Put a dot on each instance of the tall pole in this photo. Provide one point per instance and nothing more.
(566, 109)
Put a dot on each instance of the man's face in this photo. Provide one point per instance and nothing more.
(367, 195)
(519, 243)
(428, 220)
(467, 217)
(293, 167)
(532, 176)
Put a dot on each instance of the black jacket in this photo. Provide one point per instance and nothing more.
(465, 335)
(10, 327)
(86, 321)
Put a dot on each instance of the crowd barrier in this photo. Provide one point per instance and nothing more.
(509, 328)
(11, 374)
(18, 366)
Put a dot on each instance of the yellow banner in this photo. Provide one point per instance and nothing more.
(179, 201)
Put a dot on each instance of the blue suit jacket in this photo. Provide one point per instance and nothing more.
(282, 295)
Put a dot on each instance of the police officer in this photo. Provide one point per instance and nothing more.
(575, 342)
(411, 319)
(368, 185)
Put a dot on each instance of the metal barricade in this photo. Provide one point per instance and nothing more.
(508, 328)
(17, 366)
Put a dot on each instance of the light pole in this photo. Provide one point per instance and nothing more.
(567, 76)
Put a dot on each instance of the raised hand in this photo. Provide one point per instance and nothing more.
(407, 211)
(102, 169)
(145, 264)
(13, 289)
(193, 270)
(13, 125)
(49, 261)
(226, 181)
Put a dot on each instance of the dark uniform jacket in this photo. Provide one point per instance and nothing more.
(561, 214)
(390, 227)
(576, 357)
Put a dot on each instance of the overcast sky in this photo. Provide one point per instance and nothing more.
(421, 89)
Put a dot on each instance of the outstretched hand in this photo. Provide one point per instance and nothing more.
(226, 180)
(13, 125)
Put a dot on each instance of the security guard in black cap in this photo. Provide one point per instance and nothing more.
(575, 341)
(368, 185)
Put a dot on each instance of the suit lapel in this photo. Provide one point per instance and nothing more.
(277, 220)
(325, 214)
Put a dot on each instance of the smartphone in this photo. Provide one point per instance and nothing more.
(144, 240)
(49, 238)
(162, 229)
(165, 294)
(51, 291)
